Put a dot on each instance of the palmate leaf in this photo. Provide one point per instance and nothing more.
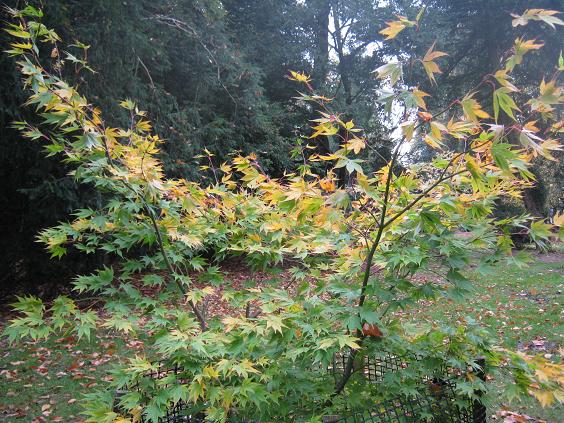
(501, 99)
(537, 145)
(393, 70)
(28, 11)
(356, 144)
(540, 231)
(432, 141)
(521, 47)
(153, 412)
(348, 341)
(395, 27)
(275, 323)
(94, 282)
(543, 15)
(431, 68)
(505, 79)
(299, 76)
(407, 129)
(550, 95)
(472, 109)
(418, 95)
(503, 155)
(352, 165)
(476, 174)
(327, 343)
(120, 323)
(86, 322)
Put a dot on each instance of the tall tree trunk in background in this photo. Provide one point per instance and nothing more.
(344, 59)
(532, 203)
(322, 9)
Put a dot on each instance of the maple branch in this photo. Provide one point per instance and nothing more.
(146, 206)
(439, 180)
(383, 224)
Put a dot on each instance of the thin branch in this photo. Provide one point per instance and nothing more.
(147, 71)
(146, 206)
(184, 27)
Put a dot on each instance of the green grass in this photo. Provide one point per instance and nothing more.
(46, 378)
(523, 307)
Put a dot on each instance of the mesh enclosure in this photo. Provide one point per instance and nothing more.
(437, 403)
(162, 372)
(438, 406)
(180, 412)
(373, 368)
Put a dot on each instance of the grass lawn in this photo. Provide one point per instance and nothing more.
(43, 381)
(524, 308)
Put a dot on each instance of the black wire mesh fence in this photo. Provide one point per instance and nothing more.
(372, 369)
(437, 403)
(181, 412)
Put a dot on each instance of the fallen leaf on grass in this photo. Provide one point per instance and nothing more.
(511, 417)
(46, 409)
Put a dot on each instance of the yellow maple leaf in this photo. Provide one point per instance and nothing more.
(395, 27)
(299, 76)
(432, 141)
(356, 144)
(327, 185)
(472, 109)
(407, 129)
(431, 68)
(558, 219)
(531, 126)
(546, 398)
(418, 96)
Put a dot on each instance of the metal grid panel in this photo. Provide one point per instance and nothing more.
(373, 368)
(439, 401)
(440, 404)
(162, 371)
(376, 367)
(179, 413)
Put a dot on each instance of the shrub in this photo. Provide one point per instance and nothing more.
(358, 245)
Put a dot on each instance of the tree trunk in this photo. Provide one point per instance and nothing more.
(322, 10)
